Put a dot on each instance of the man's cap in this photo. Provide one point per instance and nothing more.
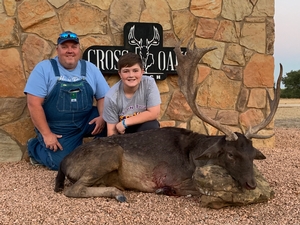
(67, 36)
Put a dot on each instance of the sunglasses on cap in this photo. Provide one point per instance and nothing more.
(67, 36)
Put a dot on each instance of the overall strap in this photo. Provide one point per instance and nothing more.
(56, 71)
(55, 67)
(83, 68)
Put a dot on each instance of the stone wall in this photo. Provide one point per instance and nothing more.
(233, 78)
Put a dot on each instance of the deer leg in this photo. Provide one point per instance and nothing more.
(59, 181)
(101, 179)
(79, 190)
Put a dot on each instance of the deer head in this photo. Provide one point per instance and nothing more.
(187, 77)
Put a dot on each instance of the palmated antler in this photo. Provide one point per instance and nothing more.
(187, 77)
(252, 131)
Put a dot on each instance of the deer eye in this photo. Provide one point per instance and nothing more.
(230, 155)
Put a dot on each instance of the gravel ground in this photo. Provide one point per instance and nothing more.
(288, 113)
(27, 196)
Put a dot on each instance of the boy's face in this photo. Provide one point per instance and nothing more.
(131, 76)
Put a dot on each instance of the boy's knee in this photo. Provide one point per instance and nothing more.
(153, 124)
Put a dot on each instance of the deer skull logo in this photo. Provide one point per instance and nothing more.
(143, 46)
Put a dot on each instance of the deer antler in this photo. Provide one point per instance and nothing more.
(252, 131)
(155, 40)
(186, 68)
(132, 40)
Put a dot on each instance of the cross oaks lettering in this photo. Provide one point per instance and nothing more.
(144, 39)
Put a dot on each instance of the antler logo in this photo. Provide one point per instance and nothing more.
(143, 46)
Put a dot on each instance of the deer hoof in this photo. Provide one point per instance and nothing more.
(121, 198)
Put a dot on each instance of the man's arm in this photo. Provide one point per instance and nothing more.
(38, 118)
(100, 106)
(99, 121)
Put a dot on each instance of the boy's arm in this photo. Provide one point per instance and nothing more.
(111, 129)
(151, 113)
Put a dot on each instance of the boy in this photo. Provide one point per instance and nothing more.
(133, 103)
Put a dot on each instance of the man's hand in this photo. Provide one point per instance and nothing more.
(51, 142)
(99, 125)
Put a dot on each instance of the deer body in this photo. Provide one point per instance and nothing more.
(131, 162)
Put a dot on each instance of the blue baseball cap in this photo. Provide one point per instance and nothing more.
(67, 36)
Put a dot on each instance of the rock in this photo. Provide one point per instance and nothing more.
(10, 151)
(219, 190)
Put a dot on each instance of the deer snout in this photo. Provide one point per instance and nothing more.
(250, 185)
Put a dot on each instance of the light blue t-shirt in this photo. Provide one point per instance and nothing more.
(118, 107)
(42, 78)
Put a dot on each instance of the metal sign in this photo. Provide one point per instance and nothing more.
(145, 39)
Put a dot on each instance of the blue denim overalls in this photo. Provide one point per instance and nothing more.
(68, 109)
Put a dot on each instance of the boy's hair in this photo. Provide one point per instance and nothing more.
(129, 59)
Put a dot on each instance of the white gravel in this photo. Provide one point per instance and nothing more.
(27, 197)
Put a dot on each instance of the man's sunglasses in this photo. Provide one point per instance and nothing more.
(68, 35)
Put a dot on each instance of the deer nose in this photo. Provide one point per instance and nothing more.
(250, 185)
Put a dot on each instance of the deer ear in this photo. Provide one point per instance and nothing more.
(259, 155)
(213, 151)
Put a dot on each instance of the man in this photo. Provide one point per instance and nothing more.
(60, 95)
(133, 103)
